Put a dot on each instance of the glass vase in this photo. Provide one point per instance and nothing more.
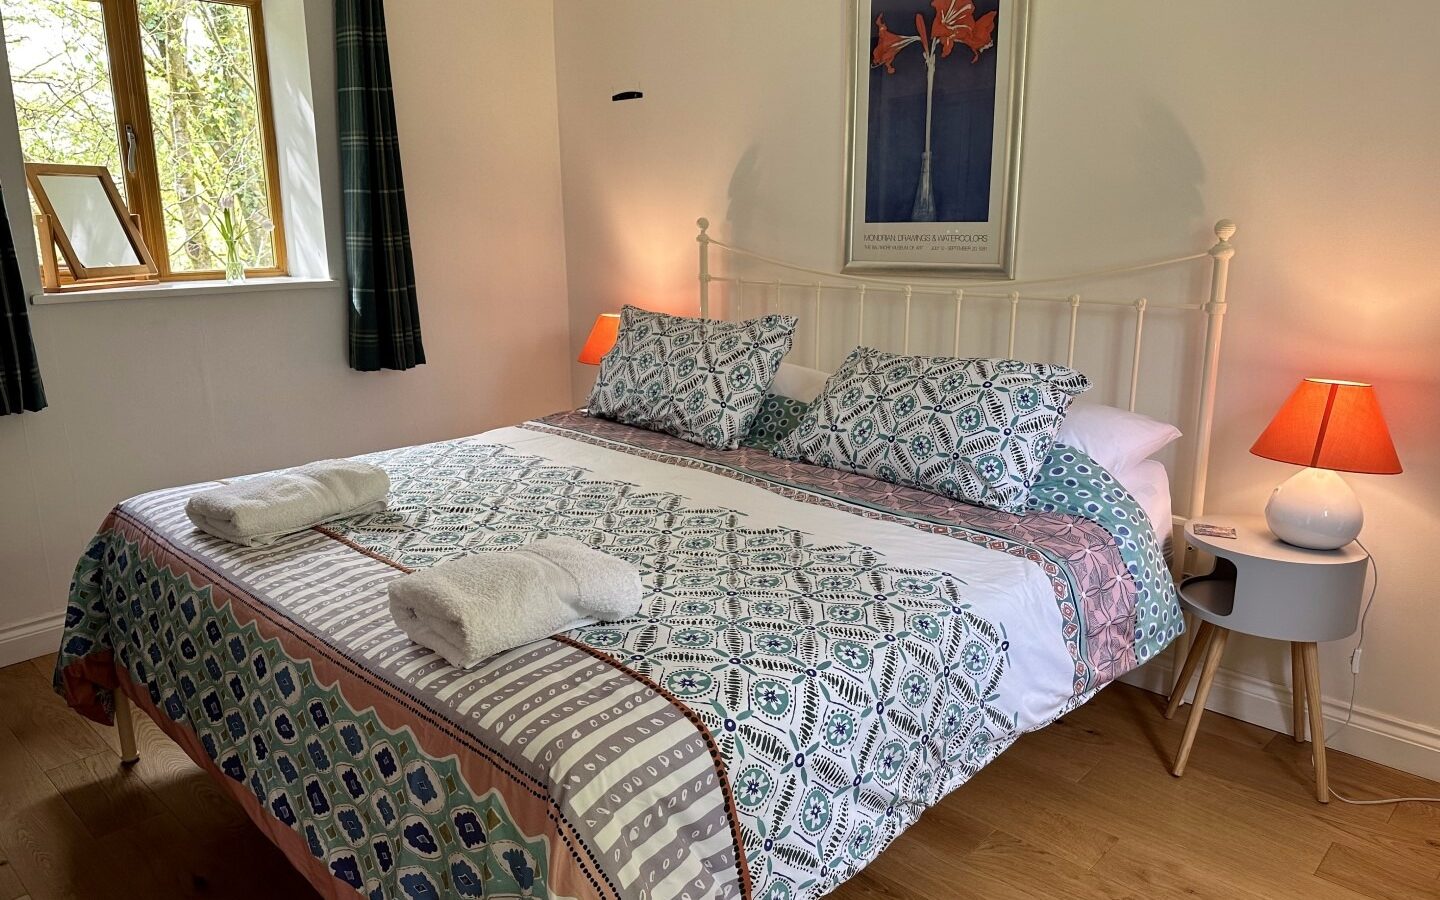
(234, 265)
(924, 208)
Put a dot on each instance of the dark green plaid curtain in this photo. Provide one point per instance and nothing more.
(20, 387)
(384, 314)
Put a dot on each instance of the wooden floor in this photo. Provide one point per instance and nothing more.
(1084, 808)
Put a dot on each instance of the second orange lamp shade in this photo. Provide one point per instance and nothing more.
(602, 338)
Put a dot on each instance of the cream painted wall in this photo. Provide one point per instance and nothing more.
(1316, 129)
(150, 393)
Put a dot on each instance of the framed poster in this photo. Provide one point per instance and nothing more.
(935, 110)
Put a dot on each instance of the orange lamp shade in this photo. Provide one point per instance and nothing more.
(602, 338)
(1329, 424)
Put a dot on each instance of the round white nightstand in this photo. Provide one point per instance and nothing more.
(1264, 587)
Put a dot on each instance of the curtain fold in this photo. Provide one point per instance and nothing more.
(20, 385)
(384, 312)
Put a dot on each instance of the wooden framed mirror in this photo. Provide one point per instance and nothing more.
(88, 239)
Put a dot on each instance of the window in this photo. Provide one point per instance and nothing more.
(173, 97)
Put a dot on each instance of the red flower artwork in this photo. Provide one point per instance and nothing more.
(955, 21)
(888, 44)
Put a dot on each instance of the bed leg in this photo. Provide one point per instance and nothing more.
(125, 724)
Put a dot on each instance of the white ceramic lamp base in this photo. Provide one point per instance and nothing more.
(1315, 509)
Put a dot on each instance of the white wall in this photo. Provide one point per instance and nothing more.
(1316, 129)
(150, 393)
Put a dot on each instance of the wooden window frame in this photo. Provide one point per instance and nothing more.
(54, 235)
(125, 47)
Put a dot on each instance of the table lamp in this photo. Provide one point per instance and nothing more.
(1328, 426)
(602, 338)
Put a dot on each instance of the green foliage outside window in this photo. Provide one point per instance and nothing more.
(200, 76)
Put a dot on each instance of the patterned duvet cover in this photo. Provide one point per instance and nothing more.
(821, 657)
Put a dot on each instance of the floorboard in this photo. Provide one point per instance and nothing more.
(1377, 874)
(40, 721)
(1083, 809)
(1419, 819)
(10, 886)
(104, 794)
(42, 839)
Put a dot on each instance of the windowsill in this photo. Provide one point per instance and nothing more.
(183, 289)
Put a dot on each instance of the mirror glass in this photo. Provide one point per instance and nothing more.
(90, 220)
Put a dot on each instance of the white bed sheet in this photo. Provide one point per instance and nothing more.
(1150, 484)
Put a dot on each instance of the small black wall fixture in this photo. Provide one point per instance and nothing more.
(627, 95)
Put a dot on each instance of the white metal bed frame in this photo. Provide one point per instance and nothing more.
(1212, 309)
(961, 292)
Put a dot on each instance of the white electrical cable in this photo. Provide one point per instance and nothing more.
(1354, 684)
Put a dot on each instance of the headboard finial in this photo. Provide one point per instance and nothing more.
(703, 240)
(1224, 230)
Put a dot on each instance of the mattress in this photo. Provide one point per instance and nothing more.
(820, 657)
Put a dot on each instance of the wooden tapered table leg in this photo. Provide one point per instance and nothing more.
(125, 724)
(1202, 691)
(1311, 657)
(1192, 659)
(1297, 692)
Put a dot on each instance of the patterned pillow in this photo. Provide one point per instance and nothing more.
(778, 416)
(699, 379)
(976, 430)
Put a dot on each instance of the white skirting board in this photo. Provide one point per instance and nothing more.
(1393, 742)
(31, 638)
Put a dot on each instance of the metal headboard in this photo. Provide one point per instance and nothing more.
(823, 286)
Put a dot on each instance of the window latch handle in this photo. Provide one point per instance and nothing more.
(131, 149)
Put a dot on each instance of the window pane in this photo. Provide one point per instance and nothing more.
(205, 111)
(61, 73)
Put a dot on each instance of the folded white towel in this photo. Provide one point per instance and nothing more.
(472, 608)
(256, 511)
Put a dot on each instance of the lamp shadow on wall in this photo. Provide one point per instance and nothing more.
(1166, 185)
(746, 198)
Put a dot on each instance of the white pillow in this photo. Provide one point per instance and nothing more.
(1115, 438)
(798, 382)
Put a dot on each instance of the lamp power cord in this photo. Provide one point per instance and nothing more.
(1354, 685)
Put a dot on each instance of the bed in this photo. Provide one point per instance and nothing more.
(821, 657)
